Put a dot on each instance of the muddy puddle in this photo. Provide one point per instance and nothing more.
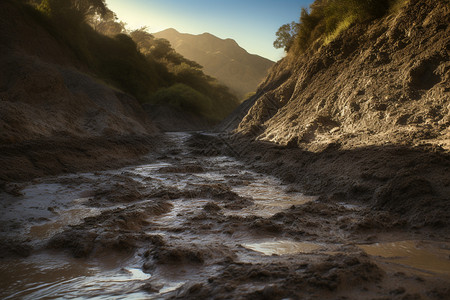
(72, 216)
(283, 247)
(264, 192)
(425, 257)
(180, 221)
(55, 276)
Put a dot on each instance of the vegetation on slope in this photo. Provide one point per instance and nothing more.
(134, 62)
(223, 59)
(326, 19)
(214, 99)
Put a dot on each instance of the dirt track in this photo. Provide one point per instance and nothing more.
(191, 222)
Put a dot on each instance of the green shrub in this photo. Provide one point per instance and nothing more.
(184, 97)
(307, 31)
(285, 36)
(117, 61)
(145, 67)
(358, 10)
(326, 19)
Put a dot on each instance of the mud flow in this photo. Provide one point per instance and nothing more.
(195, 226)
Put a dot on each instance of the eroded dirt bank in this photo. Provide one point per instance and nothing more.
(379, 83)
(362, 119)
(193, 223)
(411, 182)
(34, 159)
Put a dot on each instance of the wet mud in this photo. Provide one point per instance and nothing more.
(197, 224)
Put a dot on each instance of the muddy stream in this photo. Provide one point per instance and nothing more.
(184, 224)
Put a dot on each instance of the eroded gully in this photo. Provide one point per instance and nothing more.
(185, 225)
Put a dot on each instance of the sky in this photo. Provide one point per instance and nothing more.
(251, 23)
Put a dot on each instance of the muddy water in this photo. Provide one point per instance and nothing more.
(51, 206)
(188, 217)
(52, 275)
(282, 247)
(424, 257)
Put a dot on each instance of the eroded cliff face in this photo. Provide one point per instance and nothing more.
(381, 83)
(365, 118)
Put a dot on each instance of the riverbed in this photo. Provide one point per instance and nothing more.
(203, 226)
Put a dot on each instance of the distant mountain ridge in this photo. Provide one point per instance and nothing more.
(223, 59)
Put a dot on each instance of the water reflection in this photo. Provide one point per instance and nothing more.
(431, 257)
(53, 276)
(283, 247)
(71, 216)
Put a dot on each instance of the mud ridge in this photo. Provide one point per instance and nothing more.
(409, 182)
(33, 159)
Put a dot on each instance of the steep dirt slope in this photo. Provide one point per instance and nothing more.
(389, 80)
(43, 93)
(47, 95)
(222, 59)
(365, 117)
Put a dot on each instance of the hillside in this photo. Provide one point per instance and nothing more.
(46, 90)
(223, 59)
(55, 116)
(64, 83)
(366, 117)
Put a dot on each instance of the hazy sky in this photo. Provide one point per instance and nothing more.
(252, 23)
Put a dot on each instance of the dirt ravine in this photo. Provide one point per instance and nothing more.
(332, 182)
(365, 119)
(190, 222)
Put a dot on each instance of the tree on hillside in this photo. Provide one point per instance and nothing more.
(135, 62)
(143, 39)
(76, 11)
(160, 49)
(326, 19)
(107, 24)
(285, 36)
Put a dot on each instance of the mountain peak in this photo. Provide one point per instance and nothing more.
(208, 34)
(221, 58)
(170, 30)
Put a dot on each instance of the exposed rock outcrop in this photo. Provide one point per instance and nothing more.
(366, 117)
(379, 83)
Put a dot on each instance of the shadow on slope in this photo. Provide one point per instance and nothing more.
(410, 182)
